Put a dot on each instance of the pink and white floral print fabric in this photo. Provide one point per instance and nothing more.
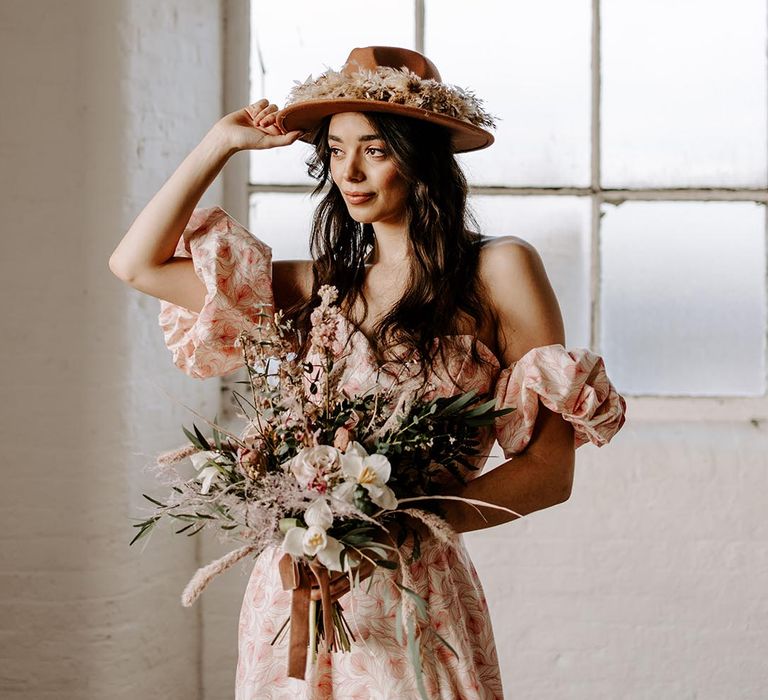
(236, 269)
(572, 383)
(378, 666)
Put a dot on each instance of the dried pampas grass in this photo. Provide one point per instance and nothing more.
(397, 86)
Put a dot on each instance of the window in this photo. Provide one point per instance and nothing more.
(631, 150)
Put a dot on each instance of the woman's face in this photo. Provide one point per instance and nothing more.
(361, 163)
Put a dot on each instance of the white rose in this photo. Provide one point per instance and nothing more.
(311, 461)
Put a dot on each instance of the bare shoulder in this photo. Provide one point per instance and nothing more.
(520, 295)
(507, 257)
(507, 263)
(291, 282)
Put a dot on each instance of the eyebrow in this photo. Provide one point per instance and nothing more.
(367, 137)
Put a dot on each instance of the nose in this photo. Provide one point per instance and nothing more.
(352, 170)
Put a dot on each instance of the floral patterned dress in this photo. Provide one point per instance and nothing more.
(236, 269)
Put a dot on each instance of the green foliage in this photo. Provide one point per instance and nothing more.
(436, 439)
(430, 445)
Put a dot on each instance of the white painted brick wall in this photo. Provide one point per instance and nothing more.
(100, 102)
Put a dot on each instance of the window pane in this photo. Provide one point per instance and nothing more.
(530, 63)
(683, 297)
(283, 222)
(559, 229)
(684, 93)
(288, 43)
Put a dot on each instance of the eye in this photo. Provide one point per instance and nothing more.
(333, 150)
(380, 150)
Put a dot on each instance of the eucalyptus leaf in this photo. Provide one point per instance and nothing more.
(386, 564)
(192, 438)
(445, 641)
(481, 408)
(421, 604)
(152, 500)
(216, 433)
(144, 528)
(415, 656)
(201, 438)
(370, 584)
(459, 402)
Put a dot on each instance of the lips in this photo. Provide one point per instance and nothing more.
(358, 198)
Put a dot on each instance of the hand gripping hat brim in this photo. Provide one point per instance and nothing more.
(389, 79)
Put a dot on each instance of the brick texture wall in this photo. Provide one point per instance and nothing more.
(101, 101)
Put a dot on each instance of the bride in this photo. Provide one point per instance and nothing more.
(393, 233)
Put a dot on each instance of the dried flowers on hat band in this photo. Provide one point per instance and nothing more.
(396, 86)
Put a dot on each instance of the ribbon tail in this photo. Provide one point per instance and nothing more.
(329, 634)
(295, 577)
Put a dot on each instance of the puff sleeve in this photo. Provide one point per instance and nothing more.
(570, 382)
(236, 269)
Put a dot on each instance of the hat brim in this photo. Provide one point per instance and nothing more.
(306, 115)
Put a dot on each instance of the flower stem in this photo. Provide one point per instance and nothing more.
(313, 629)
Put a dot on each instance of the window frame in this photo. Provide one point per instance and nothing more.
(652, 407)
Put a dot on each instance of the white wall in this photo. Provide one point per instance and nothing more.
(100, 102)
(650, 582)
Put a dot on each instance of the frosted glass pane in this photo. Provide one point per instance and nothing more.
(283, 222)
(559, 229)
(288, 43)
(683, 297)
(684, 93)
(530, 63)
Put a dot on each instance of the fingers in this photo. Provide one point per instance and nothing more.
(270, 129)
(269, 118)
(285, 138)
(294, 135)
(262, 113)
(257, 107)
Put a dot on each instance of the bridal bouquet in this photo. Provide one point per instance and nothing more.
(324, 476)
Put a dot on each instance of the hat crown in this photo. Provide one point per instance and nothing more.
(388, 79)
(373, 57)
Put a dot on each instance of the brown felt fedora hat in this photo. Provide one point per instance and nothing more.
(389, 79)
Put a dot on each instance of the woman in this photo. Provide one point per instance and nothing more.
(424, 298)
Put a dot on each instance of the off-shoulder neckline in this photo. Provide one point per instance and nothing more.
(482, 347)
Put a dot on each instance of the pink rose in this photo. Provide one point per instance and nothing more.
(342, 438)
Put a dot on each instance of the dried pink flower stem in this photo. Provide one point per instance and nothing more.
(166, 459)
(207, 573)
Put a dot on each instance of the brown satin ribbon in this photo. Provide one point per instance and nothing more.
(323, 581)
(295, 577)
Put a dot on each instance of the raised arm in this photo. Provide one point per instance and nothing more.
(144, 258)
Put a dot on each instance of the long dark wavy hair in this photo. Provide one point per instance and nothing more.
(443, 271)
